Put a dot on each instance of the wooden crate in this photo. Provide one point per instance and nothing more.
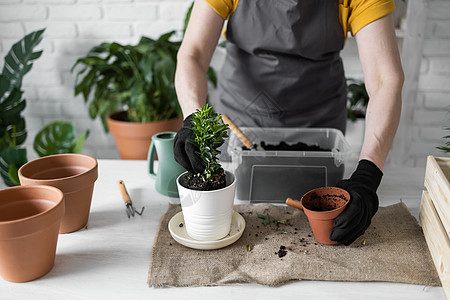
(437, 240)
(437, 176)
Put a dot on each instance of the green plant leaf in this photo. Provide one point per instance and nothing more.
(77, 147)
(58, 137)
(212, 77)
(55, 138)
(12, 124)
(11, 107)
(266, 218)
(11, 159)
(357, 99)
(19, 59)
(165, 37)
(14, 135)
(13, 174)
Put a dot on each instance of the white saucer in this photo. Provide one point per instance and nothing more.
(180, 235)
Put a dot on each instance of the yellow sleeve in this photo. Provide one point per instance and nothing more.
(363, 12)
(222, 7)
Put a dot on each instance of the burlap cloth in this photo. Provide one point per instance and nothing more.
(392, 249)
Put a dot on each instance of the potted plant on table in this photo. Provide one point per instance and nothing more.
(131, 89)
(357, 101)
(207, 198)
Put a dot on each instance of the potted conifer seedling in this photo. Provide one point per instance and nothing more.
(207, 198)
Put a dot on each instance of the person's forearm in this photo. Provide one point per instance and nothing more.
(194, 57)
(382, 118)
(383, 75)
(191, 84)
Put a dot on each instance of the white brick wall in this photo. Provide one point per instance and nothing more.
(433, 101)
(74, 26)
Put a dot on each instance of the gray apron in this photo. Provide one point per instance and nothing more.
(283, 67)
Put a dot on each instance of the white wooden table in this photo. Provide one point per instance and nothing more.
(110, 259)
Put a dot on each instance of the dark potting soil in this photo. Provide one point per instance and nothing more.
(282, 252)
(194, 182)
(325, 202)
(283, 146)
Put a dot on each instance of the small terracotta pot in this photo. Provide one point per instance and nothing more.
(74, 174)
(322, 206)
(132, 138)
(30, 218)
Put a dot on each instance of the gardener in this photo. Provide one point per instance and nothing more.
(283, 69)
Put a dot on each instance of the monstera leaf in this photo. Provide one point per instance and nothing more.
(19, 59)
(11, 106)
(11, 159)
(18, 62)
(58, 137)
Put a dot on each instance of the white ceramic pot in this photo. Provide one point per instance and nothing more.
(207, 214)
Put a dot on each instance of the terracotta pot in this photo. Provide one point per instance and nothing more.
(74, 174)
(208, 214)
(30, 217)
(322, 206)
(133, 139)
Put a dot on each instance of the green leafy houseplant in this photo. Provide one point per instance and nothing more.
(209, 133)
(357, 99)
(136, 78)
(18, 62)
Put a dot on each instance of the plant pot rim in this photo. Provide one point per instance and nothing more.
(305, 209)
(210, 191)
(112, 118)
(94, 166)
(57, 205)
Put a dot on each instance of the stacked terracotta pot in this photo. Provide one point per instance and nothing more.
(55, 197)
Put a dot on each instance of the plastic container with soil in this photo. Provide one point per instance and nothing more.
(273, 175)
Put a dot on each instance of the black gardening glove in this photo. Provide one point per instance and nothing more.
(184, 150)
(362, 187)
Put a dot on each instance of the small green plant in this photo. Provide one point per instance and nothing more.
(209, 133)
(357, 99)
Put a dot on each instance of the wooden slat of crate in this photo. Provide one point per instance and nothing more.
(437, 177)
(437, 240)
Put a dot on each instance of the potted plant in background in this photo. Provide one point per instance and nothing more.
(131, 89)
(207, 199)
(57, 137)
(357, 101)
